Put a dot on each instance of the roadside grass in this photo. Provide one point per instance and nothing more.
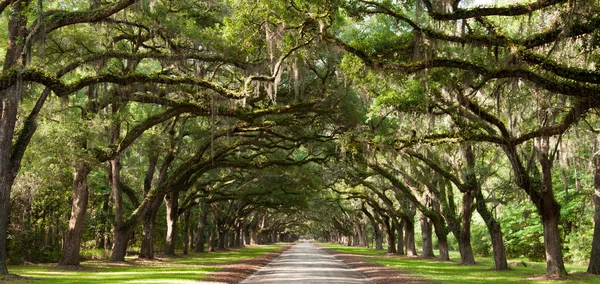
(181, 269)
(451, 272)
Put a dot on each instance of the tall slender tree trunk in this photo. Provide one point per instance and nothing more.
(594, 265)
(364, 237)
(391, 236)
(72, 242)
(247, 230)
(357, 237)
(555, 266)
(376, 229)
(464, 242)
(186, 231)
(211, 239)
(231, 238)
(200, 234)
(7, 177)
(495, 231)
(121, 232)
(442, 234)
(493, 227)
(222, 237)
(254, 234)
(9, 105)
(172, 206)
(149, 222)
(549, 209)
(409, 231)
(399, 226)
(426, 236)
(243, 232)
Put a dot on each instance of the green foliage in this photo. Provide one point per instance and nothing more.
(481, 240)
(523, 232)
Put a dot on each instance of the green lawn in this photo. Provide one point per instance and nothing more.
(450, 272)
(183, 269)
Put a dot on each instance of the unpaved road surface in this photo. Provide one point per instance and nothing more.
(306, 263)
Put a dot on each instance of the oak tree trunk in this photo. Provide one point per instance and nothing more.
(594, 265)
(211, 239)
(391, 236)
(186, 231)
(9, 105)
(409, 231)
(254, 234)
(376, 229)
(222, 238)
(120, 242)
(72, 241)
(549, 209)
(172, 203)
(442, 235)
(149, 222)
(495, 231)
(426, 236)
(464, 240)
(399, 226)
(200, 234)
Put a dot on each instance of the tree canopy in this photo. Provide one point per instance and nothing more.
(180, 124)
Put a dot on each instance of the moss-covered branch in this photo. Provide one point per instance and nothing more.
(510, 10)
(148, 55)
(62, 19)
(13, 76)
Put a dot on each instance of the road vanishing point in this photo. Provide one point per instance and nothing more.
(306, 263)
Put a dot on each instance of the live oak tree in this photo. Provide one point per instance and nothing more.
(488, 49)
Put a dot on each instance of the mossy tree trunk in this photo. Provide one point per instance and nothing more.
(594, 265)
(426, 236)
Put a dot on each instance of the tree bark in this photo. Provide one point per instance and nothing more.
(72, 241)
(391, 237)
(254, 234)
(186, 231)
(356, 237)
(149, 222)
(495, 231)
(442, 234)
(200, 234)
(120, 242)
(464, 241)
(555, 266)
(399, 226)
(172, 206)
(211, 239)
(121, 231)
(409, 231)
(594, 265)
(364, 235)
(549, 209)
(9, 105)
(426, 236)
(231, 238)
(376, 230)
(222, 237)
